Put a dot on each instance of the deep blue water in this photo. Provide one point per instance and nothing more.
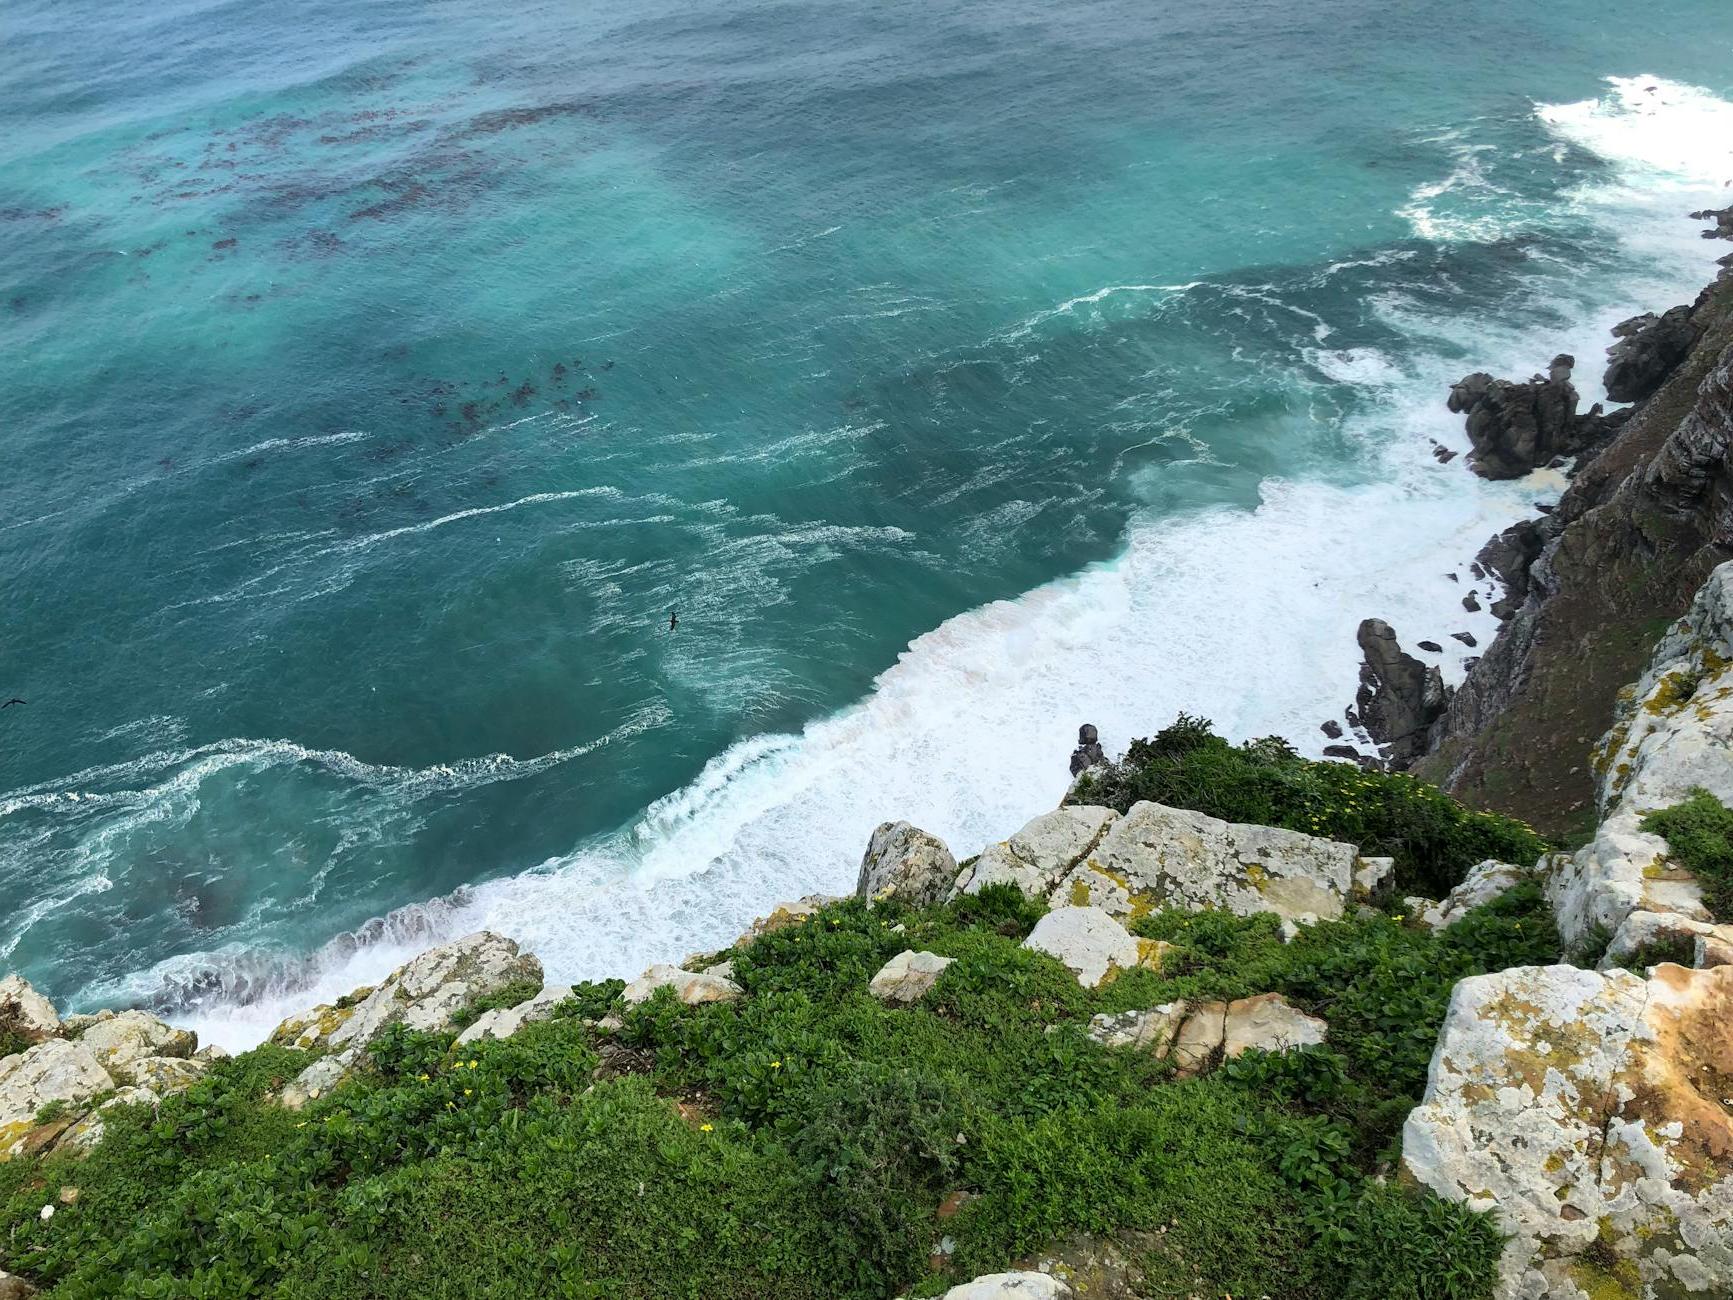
(380, 376)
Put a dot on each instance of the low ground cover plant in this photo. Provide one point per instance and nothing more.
(801, 1141)
(1699, 835)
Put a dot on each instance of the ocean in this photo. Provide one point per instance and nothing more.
(380, 377)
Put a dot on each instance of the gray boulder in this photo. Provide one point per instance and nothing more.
(1091, 944)
(503, 1022)
(1011, 1286)
(1399, 697)
(120, 1042)
(692, 987)
(1039, 855)
(908, 976)
(25, 1011)
(54, 1070)
(904, 862)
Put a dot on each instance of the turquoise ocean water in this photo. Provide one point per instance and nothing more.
(378, 377)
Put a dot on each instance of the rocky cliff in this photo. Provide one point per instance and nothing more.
(1592, 585)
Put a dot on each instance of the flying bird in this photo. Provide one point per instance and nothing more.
(11, 702)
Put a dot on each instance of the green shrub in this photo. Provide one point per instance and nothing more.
(1433, 839)
(508, 995)
(1699, 834)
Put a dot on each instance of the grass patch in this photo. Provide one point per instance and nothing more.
(1433, 839)
(1699, 835)
(800, 1141)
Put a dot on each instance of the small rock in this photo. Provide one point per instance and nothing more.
(1088, 753)
(692, 988)
(1267, 1023)
(1431, 647)
(1467, 638)
(1090, 943)
(122, 1041)
(1332, 729)
(908, 976)
(15, 1288)
(503, 1022)
(1470, 603)
(1150, 1031)
(314, 1082)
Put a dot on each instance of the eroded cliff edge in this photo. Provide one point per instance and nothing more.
(1594, 585)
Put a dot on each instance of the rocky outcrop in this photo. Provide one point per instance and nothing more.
(14, 1288)
(1509, 556)
(1639, 529)
(780, 917)
(1672, 733)
(1090, 944)
(1516, 428)
(1039, 855)
(907, 977)
(1649, 348)
(55, 1072)
(1089, 752)
(1266, 1023)
(1642, 935)
(124, 1044)
(1156, 856)
(1399, 698)
(694, 988)
(424, 993)
(25, 1012)
(904, 862)
(1592, 1113)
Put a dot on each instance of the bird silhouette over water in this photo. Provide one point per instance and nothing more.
(14, 700)
(673, 619)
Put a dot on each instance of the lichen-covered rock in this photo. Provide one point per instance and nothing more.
(1372, 878)
(1011, 1286)
(1592, 1111)
(74, 1025)
(26, 1012)
(87, 1132)
(503, 1022)
(1484, 882)
(904, 862)
(1266, 1023)
(166, 1074)
(54, 1070)
(1173, 857)
(121, 1041)
(315, 1081)
(1091, 944)
(908, 976)
(691, 987)
(1672, 732)
(15, 1288)
(423, 993)
(1038, 856)
(1149, 1031)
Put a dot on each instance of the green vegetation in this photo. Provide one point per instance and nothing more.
(508, 996)
(1433, 839)
(800, 1142)
(1699, 835)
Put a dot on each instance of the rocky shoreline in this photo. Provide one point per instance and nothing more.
(1587, 583)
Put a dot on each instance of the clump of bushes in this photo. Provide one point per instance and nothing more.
(800, 1141)
(1699, 835)
(1433, 839)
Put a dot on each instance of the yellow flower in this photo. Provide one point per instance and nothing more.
(706, 1128)
(776, 1065)
(473, 1064)
(468, 1091)
(302, 1124)
(422, 1077)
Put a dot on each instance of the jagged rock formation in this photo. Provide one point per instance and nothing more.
(1641, 526)
(1592, 1111)
(1484, 882)
(1037, 856)
(1649, 348)
(1518, 427)
(1399, 698)
(1089, 752)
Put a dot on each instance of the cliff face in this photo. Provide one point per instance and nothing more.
(1639, 530)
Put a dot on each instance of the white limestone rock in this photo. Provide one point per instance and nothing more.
(1173, 857)
(1011, 1286)
(164, 1075)
(1039, 855)
(904, 862)
(120, 1042)
(1588, 1109)
(54, 1070)
(315, 1081)
(1267, 1023)
(25, 1011)
(1483, 882)
(1200, 1037)
(1091, 944)
(691, 987)
(503, 1022)
(1708, 944)
(423, 993)
(908, 976)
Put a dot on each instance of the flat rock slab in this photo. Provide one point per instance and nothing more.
(692, 987)
(53, 1071)
(1267, 1023)
(1039, 855)
(1011, 1286)
(503, 1022)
